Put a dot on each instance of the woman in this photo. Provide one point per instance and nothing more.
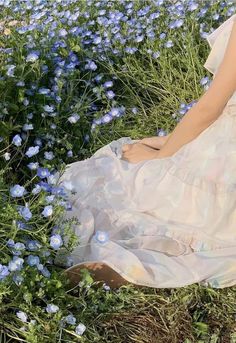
(167, 217)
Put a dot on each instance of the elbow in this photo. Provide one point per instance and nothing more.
(208, 113)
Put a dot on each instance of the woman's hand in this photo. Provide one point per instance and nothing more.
(138, 152)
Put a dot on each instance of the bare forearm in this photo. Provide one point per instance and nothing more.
(210, 105)
(192, 124)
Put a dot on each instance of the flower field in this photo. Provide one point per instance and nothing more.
(75, 75)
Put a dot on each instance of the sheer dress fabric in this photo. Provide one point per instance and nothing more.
(167, 222)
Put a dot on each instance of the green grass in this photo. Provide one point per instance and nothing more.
(188, 314)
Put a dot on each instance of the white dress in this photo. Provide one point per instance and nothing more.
(166, 222)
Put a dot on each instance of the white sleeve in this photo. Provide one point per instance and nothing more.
(218, 41)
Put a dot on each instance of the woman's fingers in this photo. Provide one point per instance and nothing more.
(127, 147)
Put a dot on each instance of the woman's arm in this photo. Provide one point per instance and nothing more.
(155, 142)
(210, 105)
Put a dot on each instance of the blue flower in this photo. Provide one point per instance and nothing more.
(45, 253)
(106, 287)
(15, 264)
(79, 330)
(18, 279)
(58, 191)
(62, 33)
(50, 198)
(74, 118)
(22, 30)
(4, 272)
(53, 178)
(43, 172)
(69, 153)
(51, 308)
(49, 109)
(106, 118)
(33, 260)
(8, 50)
(45, 272)
(204, 80)
(98, 77)
(26, 102)
(58, 71)
(33, 165)
(38, 142)
(44, 91)
(115, 111)
(161, 132)
(86, 138)
(17, 191)
(33, 150)
(48, 155)
(108, 84)
(25, 212)
(67, 205)
(72, 56)
(20, 84)
(130, 50)
(10, 243)
(18, 248)
(110, 94)
(48, 211)
(97, 40)
(10, 70)
(27, 127)
(91, 65)
(7, 156)
(17, 140)
(45, 186)
(21, 225)
(169, 44)
(58, 99)
(101, 236)
(134, 110)
(36, 189)
(56, 241)
(71, 66)
(139, 38)
(32, 57)
(33, 245)
(70, 319)
(22, 316)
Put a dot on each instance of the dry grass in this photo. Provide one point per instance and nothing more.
(181, 315)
